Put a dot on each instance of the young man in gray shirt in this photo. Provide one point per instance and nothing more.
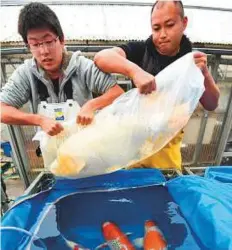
(52, 75)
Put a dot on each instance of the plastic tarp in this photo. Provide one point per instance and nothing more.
(223, 174)
(207, 206)
(192, 212)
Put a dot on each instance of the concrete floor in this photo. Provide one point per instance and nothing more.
(14, 188)
(14, 185)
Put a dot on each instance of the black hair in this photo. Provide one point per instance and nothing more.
(37, 15)
(179, 4)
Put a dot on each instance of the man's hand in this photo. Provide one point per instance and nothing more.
(210, 97)
(144, 81)
(201, 62)
(85, 116)
(50, 126)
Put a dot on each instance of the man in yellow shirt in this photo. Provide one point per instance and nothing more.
(141, 61)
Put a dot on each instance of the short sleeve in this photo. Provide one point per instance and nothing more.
(134, 51)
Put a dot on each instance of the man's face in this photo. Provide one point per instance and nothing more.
(167, 28)
(46, 47)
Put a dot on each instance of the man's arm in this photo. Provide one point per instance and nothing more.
(13, 116)
(15, 93)
(86, 113)
(210, 97)
(114, 61)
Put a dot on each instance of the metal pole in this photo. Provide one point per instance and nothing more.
(96, 48)
(4, 201)
(19, 157)
(3, 74)
(123, 3)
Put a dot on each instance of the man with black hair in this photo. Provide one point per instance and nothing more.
(52, 76)
(142, 61)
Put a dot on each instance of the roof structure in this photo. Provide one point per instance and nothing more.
(116, 21)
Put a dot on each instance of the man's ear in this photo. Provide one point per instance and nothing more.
(62, 41)
(185, 22)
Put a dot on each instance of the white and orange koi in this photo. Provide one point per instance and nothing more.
(153, 239)
(115, 238)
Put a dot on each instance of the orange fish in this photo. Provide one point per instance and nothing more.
(115, 238)
(153, 239)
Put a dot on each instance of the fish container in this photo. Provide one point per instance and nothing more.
(135, 209)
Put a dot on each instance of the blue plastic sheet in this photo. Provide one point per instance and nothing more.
(207, 206)
(192, 212)
(223, 174)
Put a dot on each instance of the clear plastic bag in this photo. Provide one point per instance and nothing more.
(49, 145)
(135, 126)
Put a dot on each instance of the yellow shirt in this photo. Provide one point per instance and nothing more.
(168, 157)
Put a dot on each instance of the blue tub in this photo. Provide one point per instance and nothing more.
(192, 212)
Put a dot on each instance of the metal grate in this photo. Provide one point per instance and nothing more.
(200, 171)
(35, 162)
(187, 153)
(208, 151)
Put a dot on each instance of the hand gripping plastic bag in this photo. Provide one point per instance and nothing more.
(49, 145)
(135, 126)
